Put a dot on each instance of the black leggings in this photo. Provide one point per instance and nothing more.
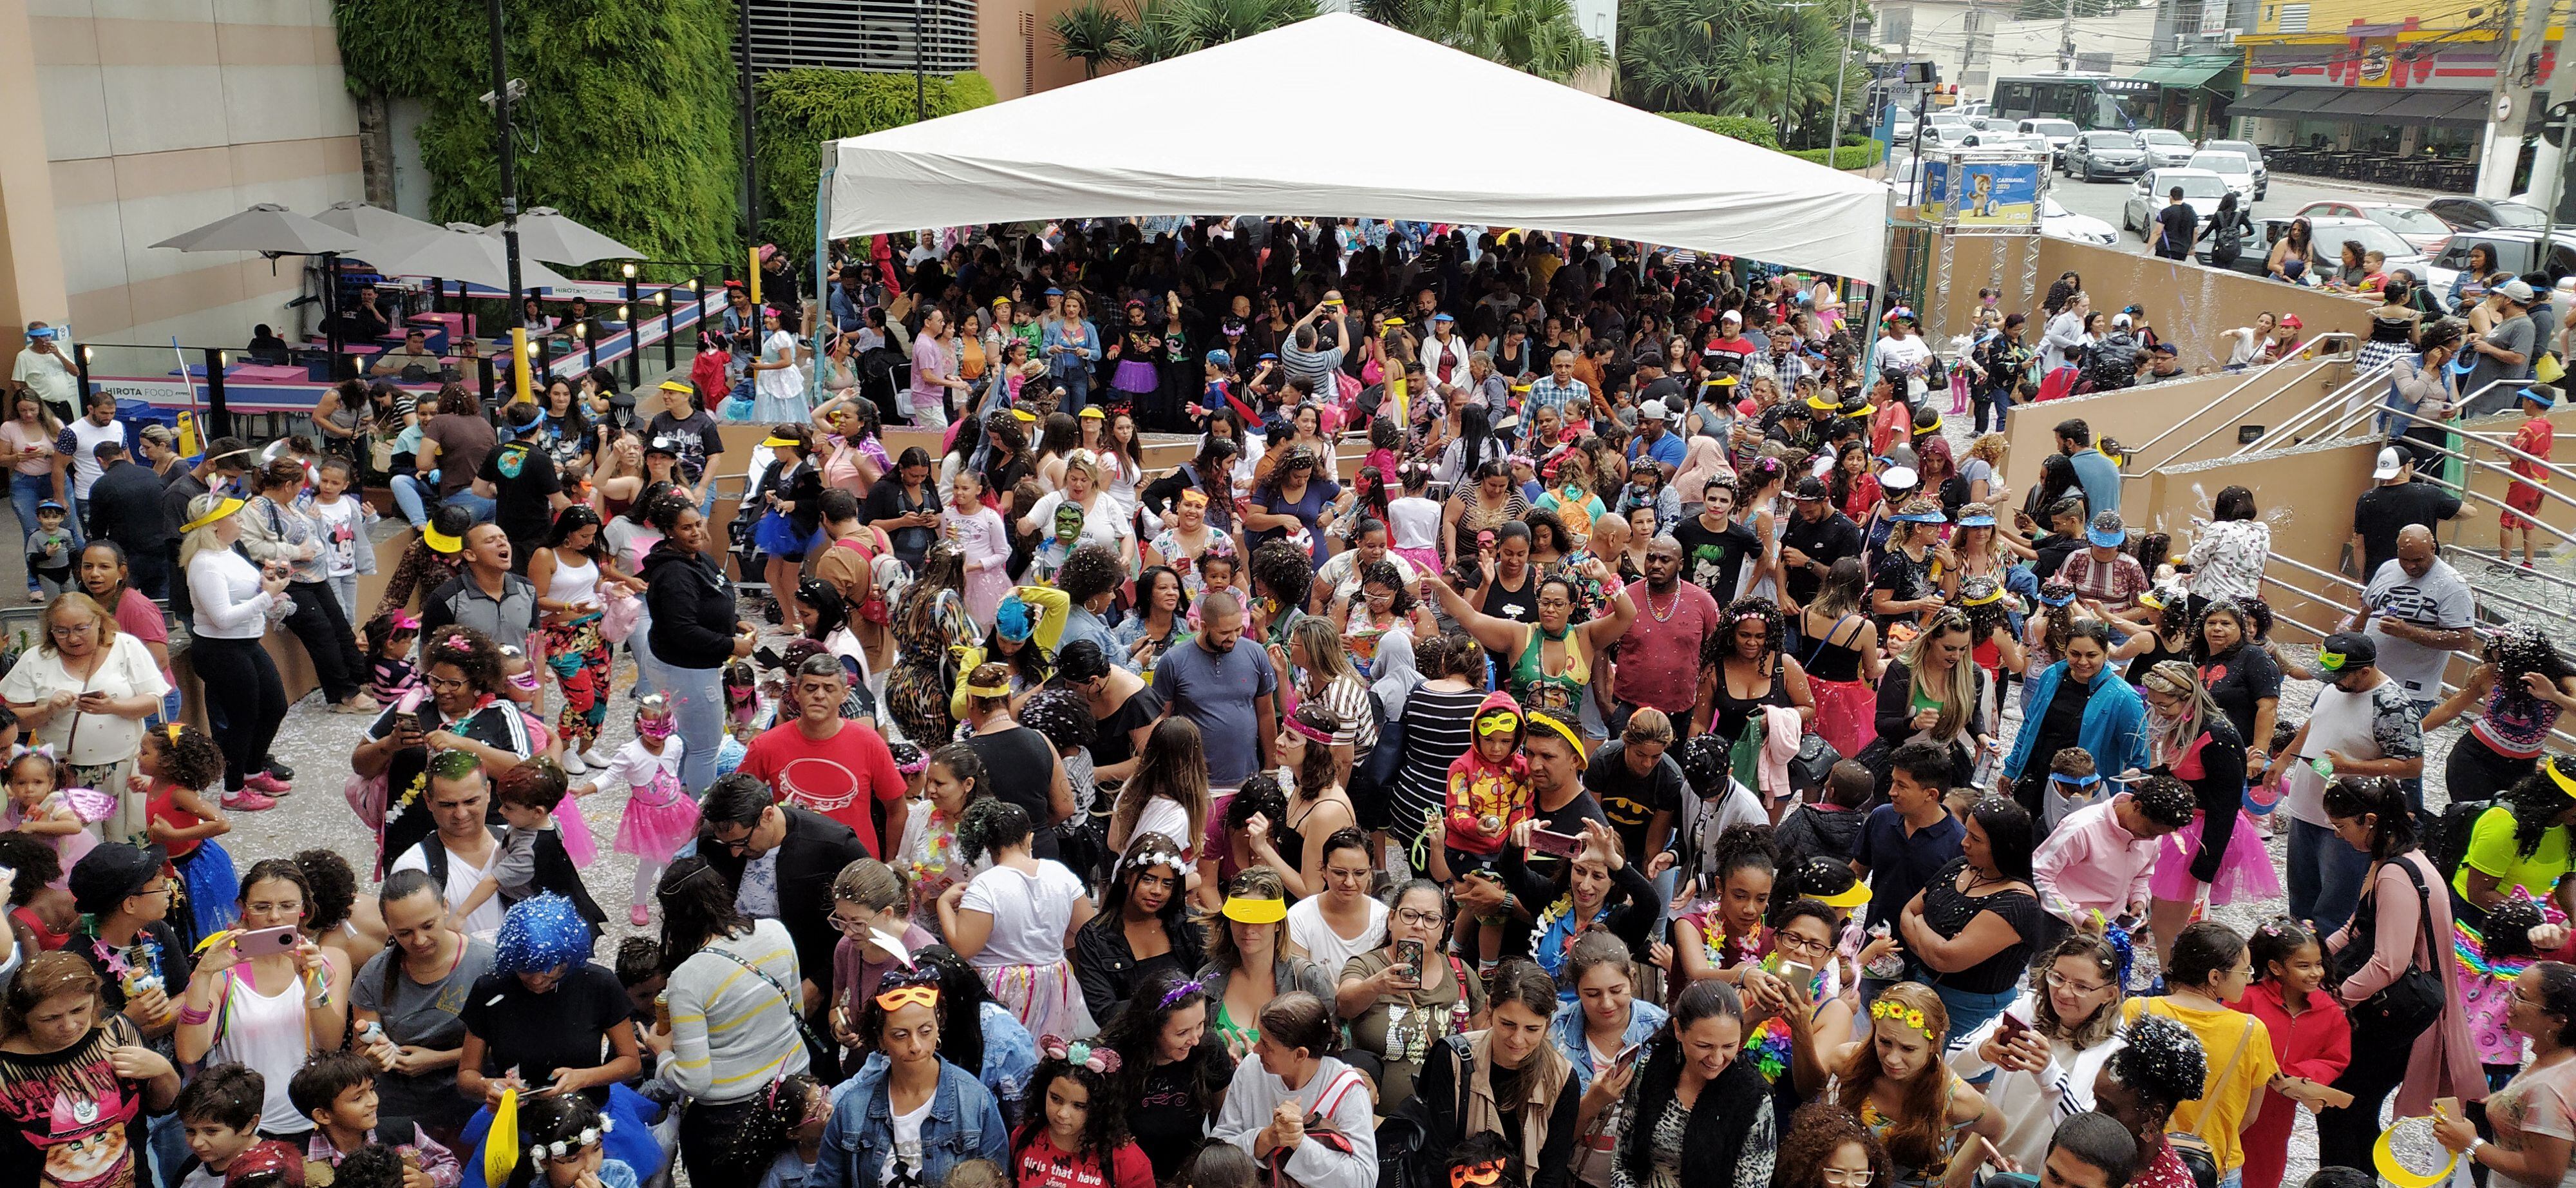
(324, 629)
(245, 702)
(708, 1133)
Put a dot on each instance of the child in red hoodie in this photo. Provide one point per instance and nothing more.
(1489, 792)
(2310, 1040)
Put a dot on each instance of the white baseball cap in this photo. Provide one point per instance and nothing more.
(1653, 410)
(2391, 460)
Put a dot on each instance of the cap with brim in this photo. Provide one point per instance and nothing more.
(1935, 427)
(1849, 897)
(1094, 412)
(1922, 517)
(1976, 521)
(1724, 381)
(2060, 600)
(663, 445)
(674, 385)
(2390, 461)
(112, 872)
(1442, 317)
(218, 512)
(1898, 478)
(1810, 490)
(1992, 595)
(2536, 396)
(774, 442)
(2346, 650)
(2103, 538)
(1255, 911)
(1001, 301)
(1054, 292)
(440, 542)
(2462, 365)
(1822, 405)
(1024, 416)
(2152, 600)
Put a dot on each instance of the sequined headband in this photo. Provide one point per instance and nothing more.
(1308, 731)
(1179, 992)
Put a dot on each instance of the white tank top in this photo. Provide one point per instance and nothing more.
(268, 1033)
(574, 582)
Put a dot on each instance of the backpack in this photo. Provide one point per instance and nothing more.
(871, 608)
(1405, 1156)
(2112, 363)
(2448, 845)
(2228, 238)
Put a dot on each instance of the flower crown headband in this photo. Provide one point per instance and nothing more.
(567, 1148)
(1911, 1016)
(1079, 1054)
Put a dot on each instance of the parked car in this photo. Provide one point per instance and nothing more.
(2419, 227)
(2057, 221)
(2200, 187)
(2233, 167)
(2004, 139)
(2058, 132)
(2515, 251)
(2480, 214)
(2165, 148)
(2327, 235)
(2097, 155)
(1946, 136)
(2253, 153)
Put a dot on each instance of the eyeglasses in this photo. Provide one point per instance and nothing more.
(738, 845)
(58, 630)
(842, 924)
(2058, 981)
(1418, 919)
(1790, 940)
(443, 685)
(1849, 1179)
(1343, 872)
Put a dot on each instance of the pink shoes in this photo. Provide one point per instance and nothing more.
(247, 801)
(264, 782)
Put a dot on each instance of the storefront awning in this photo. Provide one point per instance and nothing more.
(2464, 109)
(2185, 70)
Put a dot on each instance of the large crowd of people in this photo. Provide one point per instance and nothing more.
(1567, 712)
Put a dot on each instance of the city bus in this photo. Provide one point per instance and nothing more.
(2093, 101)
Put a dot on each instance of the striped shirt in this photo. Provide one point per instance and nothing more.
(732, 1032)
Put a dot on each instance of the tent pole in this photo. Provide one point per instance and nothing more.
(822, 284)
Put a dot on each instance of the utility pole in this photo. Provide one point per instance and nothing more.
(509, 157)
(920, 88)
(2066, 39)
(1842, 66)
(1789, 92)
(2509, 105)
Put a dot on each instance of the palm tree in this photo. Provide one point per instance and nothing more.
(1094, 32)
(1537, 36)
(1215, 22)
(1731, 57)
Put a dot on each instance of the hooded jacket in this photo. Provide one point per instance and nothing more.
(692, 605)
(1481, 791)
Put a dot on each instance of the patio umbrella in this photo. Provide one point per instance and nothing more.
(268, 229)
(550, 235)
(380, 232)
(463, 251)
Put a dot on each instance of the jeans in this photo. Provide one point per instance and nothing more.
(25, 492)
(2000, 400)
(345, 588)
(697, 702)
(1970, 1011)
(648, 671)
(244, 720)
(149, 570)
(2324, 877)
(417, 495)
(324, 630)
(1077, 388)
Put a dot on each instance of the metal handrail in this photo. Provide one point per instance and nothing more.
(2213, 431)
(2447, 688)
(2252, 377)
(2492, 439)
(2298, 564)
(2301, 419)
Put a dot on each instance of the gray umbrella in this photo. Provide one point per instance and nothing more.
(463, 251)
(550, 235)
(380, 232)
(267, 228)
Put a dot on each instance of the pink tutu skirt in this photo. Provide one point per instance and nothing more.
(660, 816)
(1425, 561)
(1846, 714)
(2244, 871)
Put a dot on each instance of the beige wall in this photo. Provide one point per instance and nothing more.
(2186, 303)
(2137, 416)
(31, 269)
(159, 116)
(2306, 495)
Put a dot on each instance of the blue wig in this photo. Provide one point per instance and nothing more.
(1013, 620)
(542, 932)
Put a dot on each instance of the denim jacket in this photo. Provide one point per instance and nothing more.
(1566, 1032)
(963, 1124)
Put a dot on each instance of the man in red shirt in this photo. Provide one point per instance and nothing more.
(1659, 656)
(1731, 341)
(826, 764)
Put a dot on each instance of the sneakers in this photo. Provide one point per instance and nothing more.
(365, 702)
(572, 764)
(360, 704)
(278, 770)
(264, 782)
(247, 801)
(639, 915)
(594, 758)
(35, 596)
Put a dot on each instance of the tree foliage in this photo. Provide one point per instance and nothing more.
(797, 111)
(628, 124)
(1734, 57)
(1101, 33)
(1538, 36)
(1744, 128)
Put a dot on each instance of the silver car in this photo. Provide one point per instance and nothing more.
(2096, 155)
(2253, 154)
(2165, 148)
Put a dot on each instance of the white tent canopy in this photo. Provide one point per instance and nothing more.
(1188, 150)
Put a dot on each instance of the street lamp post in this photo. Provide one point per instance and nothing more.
(920, 85)
(750, 179)
(1789, 90)
(509, 154)
(1842, 66)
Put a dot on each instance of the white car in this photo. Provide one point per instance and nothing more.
(2058, 132)
(1937, 137)
(2055, 220)
(2234, 168)
(2165, 148)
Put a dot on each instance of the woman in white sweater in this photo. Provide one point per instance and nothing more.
(731, 1036)
(234, 603)
(1292, 1079)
